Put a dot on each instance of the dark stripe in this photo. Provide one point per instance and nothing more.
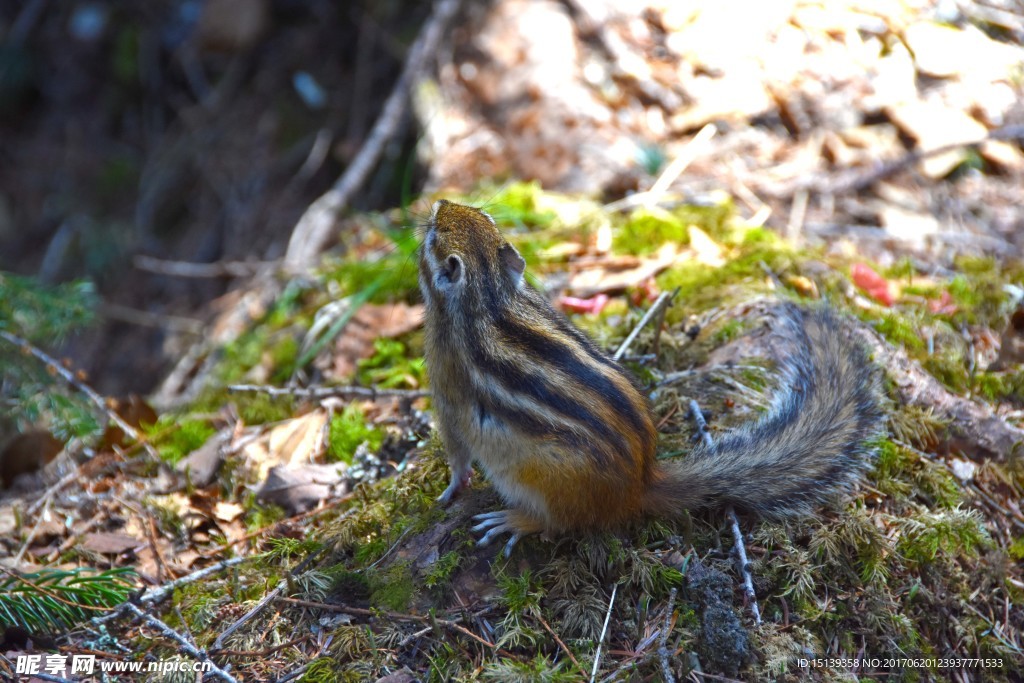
(561, 355)
(560, 322)
(491, 406)
(514, 380)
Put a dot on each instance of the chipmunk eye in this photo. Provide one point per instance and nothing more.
(452, 269)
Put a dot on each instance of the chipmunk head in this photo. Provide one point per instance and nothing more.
(464, 258)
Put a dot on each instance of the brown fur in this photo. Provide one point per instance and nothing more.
(566, 436)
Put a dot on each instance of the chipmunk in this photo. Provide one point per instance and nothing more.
(566, 436)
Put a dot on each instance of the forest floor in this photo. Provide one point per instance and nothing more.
(268, 507)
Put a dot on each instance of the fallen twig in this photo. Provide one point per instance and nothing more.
(90, 393)
(604, 630)
(397, 616)
(974, 428)
(858, 179)
(663, 653)
(200, 270)
(132, 316)
(734, 522)
(312, 231)
(316, 393)
(565, 649)
(651, 197)
(267, 599)
(186, 647)
(160, 593)
(663, 300)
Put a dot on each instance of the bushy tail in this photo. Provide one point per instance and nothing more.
(809, 444)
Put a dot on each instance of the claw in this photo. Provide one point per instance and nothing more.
(489, 519)
(511, 543)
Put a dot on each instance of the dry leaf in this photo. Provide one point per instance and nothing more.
(368, 324)
(604, 277)
(136, 412)
(26, 453)
(297, 441)
(705, 249)
(301, 488)
(933, 125)
(561, 251)
(228, 512)
(943, 51)
(201, 465)
(108, 543)
(804, 285)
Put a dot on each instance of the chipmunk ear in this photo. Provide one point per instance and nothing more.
(451, 269)
(511, 261)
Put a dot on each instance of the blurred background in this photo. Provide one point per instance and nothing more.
(198, 133)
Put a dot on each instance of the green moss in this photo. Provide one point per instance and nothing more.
(1016, 549)
(442, 569)
(652, 576)
(256, 408)
(445, 664)
(347, 431)
(979, 290)
(538, 670)
(242, 354)
(173, 444)
(964, 292)
(1001, 386)
(283, 549)
(948, 370)
(284, 311)
(899, 330)
(262, 515)
(892, 465)
(977, 265)
(925, 291)
(284, 354)
(901, 473)
(392, 588)
(371, 550)
(917, 426)
(517, 204)
(395, 276)
(726, 332)
(352, 585)
(322, 670)
(702, 287)
(519, 593)
(927, 534)
(647, 229)
(352, 643)
(902, 269)
(390, 367)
